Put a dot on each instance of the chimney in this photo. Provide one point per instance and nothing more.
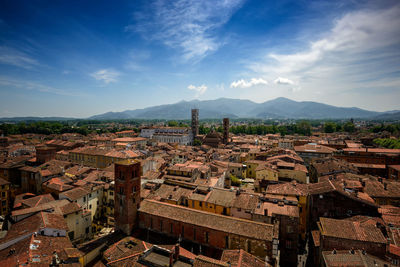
(334, 251)
(352, 251)
(385, 186)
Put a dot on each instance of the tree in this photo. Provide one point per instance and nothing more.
(172, 123)
(235, 181)
(197, 142)
(349, 127)
(329, 127)
(303, 128)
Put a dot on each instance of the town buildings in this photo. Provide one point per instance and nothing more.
(175, 197)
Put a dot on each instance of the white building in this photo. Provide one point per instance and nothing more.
(180, 135)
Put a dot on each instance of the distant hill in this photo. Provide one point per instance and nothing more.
(279, 108)
(388, 116)
(237, 108)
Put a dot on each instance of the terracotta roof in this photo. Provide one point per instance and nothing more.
(291, 189)
(245, 201)
(76, 193)
(310, 148)
(277, 209)
(354, 230)
(209, 220)
(343, 258)
(377, 189)
(41, 207)
(241, 258)
(221, 197)
(70, 208)
(35, 201)
(316, 235)
(172, 192)
(203, 261)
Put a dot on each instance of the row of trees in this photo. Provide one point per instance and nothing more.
(388, 143)
(301, 127)
(331, 127)
(42, 127)
(391, 128)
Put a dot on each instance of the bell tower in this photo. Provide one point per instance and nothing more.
(127, 195)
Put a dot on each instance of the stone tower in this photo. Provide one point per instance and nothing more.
(195, 123)
(225, 137)
(127, 195)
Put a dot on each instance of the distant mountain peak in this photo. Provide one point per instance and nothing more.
(280, 107)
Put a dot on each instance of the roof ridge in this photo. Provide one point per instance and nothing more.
(240, 257)
(124, 258)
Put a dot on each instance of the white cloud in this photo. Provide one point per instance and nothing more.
(185, 24)
(284, 81)
(354, 34)
(11, 56)
(199, 89)
(246, 84)
(106, 75)
(360, 50)
(35, 86)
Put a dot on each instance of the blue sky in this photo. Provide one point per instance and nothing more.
(81, 58)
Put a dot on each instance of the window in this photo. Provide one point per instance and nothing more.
(206, 237)
(289, 229)
(194, 234)
(3, 194)
(161, 225)
(121, 190)
(90, 206)
(151, 222)
(84, 199)
(183, 231)
(226, 241)
(201, 204)
(171, 228)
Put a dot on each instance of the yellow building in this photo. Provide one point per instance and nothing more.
(264, 172)
(260, 170)
(300, 191)
(97, 157)
(108, 203)
(4, 197)
(214, 200)
(251, 166)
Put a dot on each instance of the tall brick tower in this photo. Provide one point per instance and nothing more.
(127, 195)
(195, 123)
(225, 137)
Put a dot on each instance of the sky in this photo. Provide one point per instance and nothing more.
(82, 58)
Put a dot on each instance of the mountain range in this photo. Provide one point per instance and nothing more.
(279, 108)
